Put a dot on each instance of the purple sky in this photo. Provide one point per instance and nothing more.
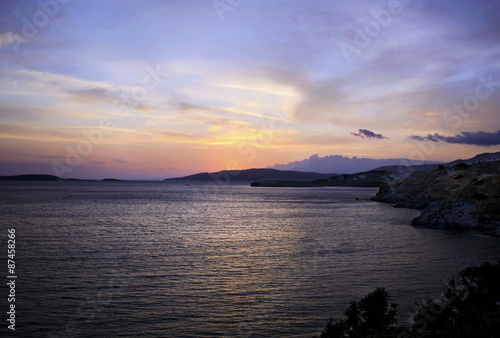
(155, 89)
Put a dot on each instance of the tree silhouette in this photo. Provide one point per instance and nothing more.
(469, 307)
(372, 316)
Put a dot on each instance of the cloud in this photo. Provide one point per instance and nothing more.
(40, 78)
(100, 94)
(8, 38)
(92, 92)
(185, 107)
(342, 164)
(174, 134)
(51, 157)
(365, 133)
(122, 161)
(479, 138)
(98, 163)
(412, 66)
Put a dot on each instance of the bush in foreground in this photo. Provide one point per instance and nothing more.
(469, 307)
(372, 316)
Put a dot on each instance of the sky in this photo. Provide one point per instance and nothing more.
(156, 89)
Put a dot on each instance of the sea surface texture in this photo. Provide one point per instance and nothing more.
(119, 259)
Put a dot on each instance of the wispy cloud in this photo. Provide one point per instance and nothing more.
(39, 78)
(122, 161)
(479, 138)
(97, 95)
(8, 38)
(186, 107)
(92, 92)
(51, 157)
(189, 107)
(267, 89)
(248, 113)
(365, 133)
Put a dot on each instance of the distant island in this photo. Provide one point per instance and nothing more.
(50, 178)
(31, 177)
(255, 174)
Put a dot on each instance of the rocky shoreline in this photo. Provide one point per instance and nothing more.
(462, 197)
(374, 178)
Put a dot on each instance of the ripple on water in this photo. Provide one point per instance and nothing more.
(163, 259)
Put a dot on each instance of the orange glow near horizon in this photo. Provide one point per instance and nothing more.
(244, 91)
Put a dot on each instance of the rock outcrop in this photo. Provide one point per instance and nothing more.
(462, 197)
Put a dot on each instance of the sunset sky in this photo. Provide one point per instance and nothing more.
(157, 89)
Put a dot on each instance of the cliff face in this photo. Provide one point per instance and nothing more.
(463, 197)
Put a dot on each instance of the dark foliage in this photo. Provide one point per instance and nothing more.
(469, 307)
(372, 316)
(462, 166)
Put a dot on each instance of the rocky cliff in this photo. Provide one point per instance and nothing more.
(466, 196)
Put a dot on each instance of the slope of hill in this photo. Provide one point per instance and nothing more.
(362, 179)
(485, 157)
(249, 175)
(407, 169)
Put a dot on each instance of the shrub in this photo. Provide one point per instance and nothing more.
(470, 307)
(462, 166)
(372, 316)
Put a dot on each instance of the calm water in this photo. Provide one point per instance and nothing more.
(103, 259)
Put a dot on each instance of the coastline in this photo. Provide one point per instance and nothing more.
(464, 197)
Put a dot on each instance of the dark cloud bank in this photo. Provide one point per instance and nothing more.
(342, 164)
(365, 133)
(479, 138)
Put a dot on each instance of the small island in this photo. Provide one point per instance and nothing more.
(31, 177)
(51, 178)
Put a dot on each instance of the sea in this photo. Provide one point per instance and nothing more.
(188, 259)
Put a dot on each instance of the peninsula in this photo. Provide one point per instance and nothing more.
(465, 196)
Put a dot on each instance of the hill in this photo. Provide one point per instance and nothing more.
(363, 179)
(250, 175)
(467, 196)
(50, 178)
(407, 169)
(33, 177)
(485, 157)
